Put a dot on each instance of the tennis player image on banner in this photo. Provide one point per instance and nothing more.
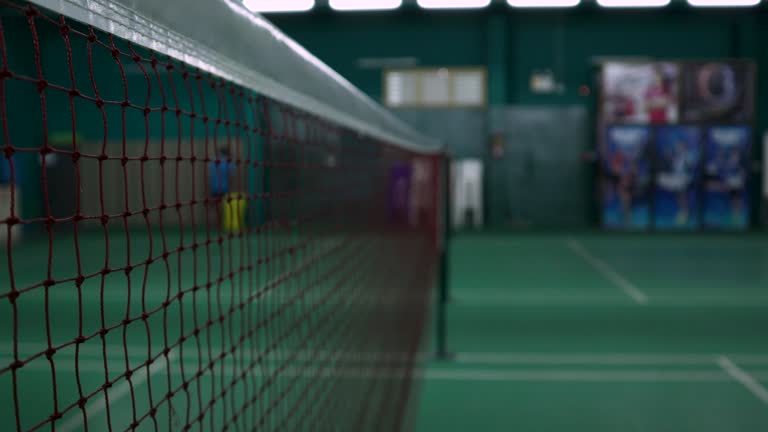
(678, 163)
(726, 172)
(641, 93)
(627, 178)
(718, 92)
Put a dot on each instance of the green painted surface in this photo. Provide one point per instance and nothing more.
(341, 40)
(546, 342)
(590, 407)
(497, 60)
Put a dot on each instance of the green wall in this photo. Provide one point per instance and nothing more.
(340, 40)
(514, 43)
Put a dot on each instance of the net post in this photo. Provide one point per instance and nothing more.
(441, 334)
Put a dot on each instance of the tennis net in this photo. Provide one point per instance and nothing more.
(203, 227)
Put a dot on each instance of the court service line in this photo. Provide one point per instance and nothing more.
(494, 375)
(693, 301)
(608, 272)
(585, 359)
(118, 351)
(139, 352)
(744, 378)
(608, 301)
(95, 408)
(601, 358)
(569, 375)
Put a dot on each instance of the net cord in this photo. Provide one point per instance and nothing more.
(227, 40)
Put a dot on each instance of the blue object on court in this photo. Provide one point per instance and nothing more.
(219, 173)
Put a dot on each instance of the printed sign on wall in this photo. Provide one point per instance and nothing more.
(678, 163)
(641, 93)
(718, 92)
(726, 171)
(627, 180)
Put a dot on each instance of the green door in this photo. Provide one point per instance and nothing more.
(539, 180)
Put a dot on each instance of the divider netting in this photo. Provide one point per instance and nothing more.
(181, 253)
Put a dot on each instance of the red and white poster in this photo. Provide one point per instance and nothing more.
(640, 93)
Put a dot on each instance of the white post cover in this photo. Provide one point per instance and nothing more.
(5, 212)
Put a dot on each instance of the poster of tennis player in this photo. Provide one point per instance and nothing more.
(640, 93)
(726, 176)
(678, 165)
(718, 92)
(627, 177)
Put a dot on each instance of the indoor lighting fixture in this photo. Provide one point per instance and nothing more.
(453, 4)
(633, 3)
(723, 3)
(543, 3)
(279, 5)
(356, 5)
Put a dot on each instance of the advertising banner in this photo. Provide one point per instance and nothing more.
(678, 173)
(627, 180)
(726, 171)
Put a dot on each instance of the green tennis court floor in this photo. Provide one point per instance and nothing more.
(582, 332)
(603, 332)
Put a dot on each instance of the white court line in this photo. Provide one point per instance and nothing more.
(495, 375)
(94, 408)
(472, 300)
(601, 358)
(608, 272)
(93, 352)
(272, 297)
(524, 374)
(568, 375)
(744, 378)
(586, 359)
(91, 359)
(610, 301)
(117, 351)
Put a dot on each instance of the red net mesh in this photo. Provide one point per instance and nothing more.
(180, 253)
